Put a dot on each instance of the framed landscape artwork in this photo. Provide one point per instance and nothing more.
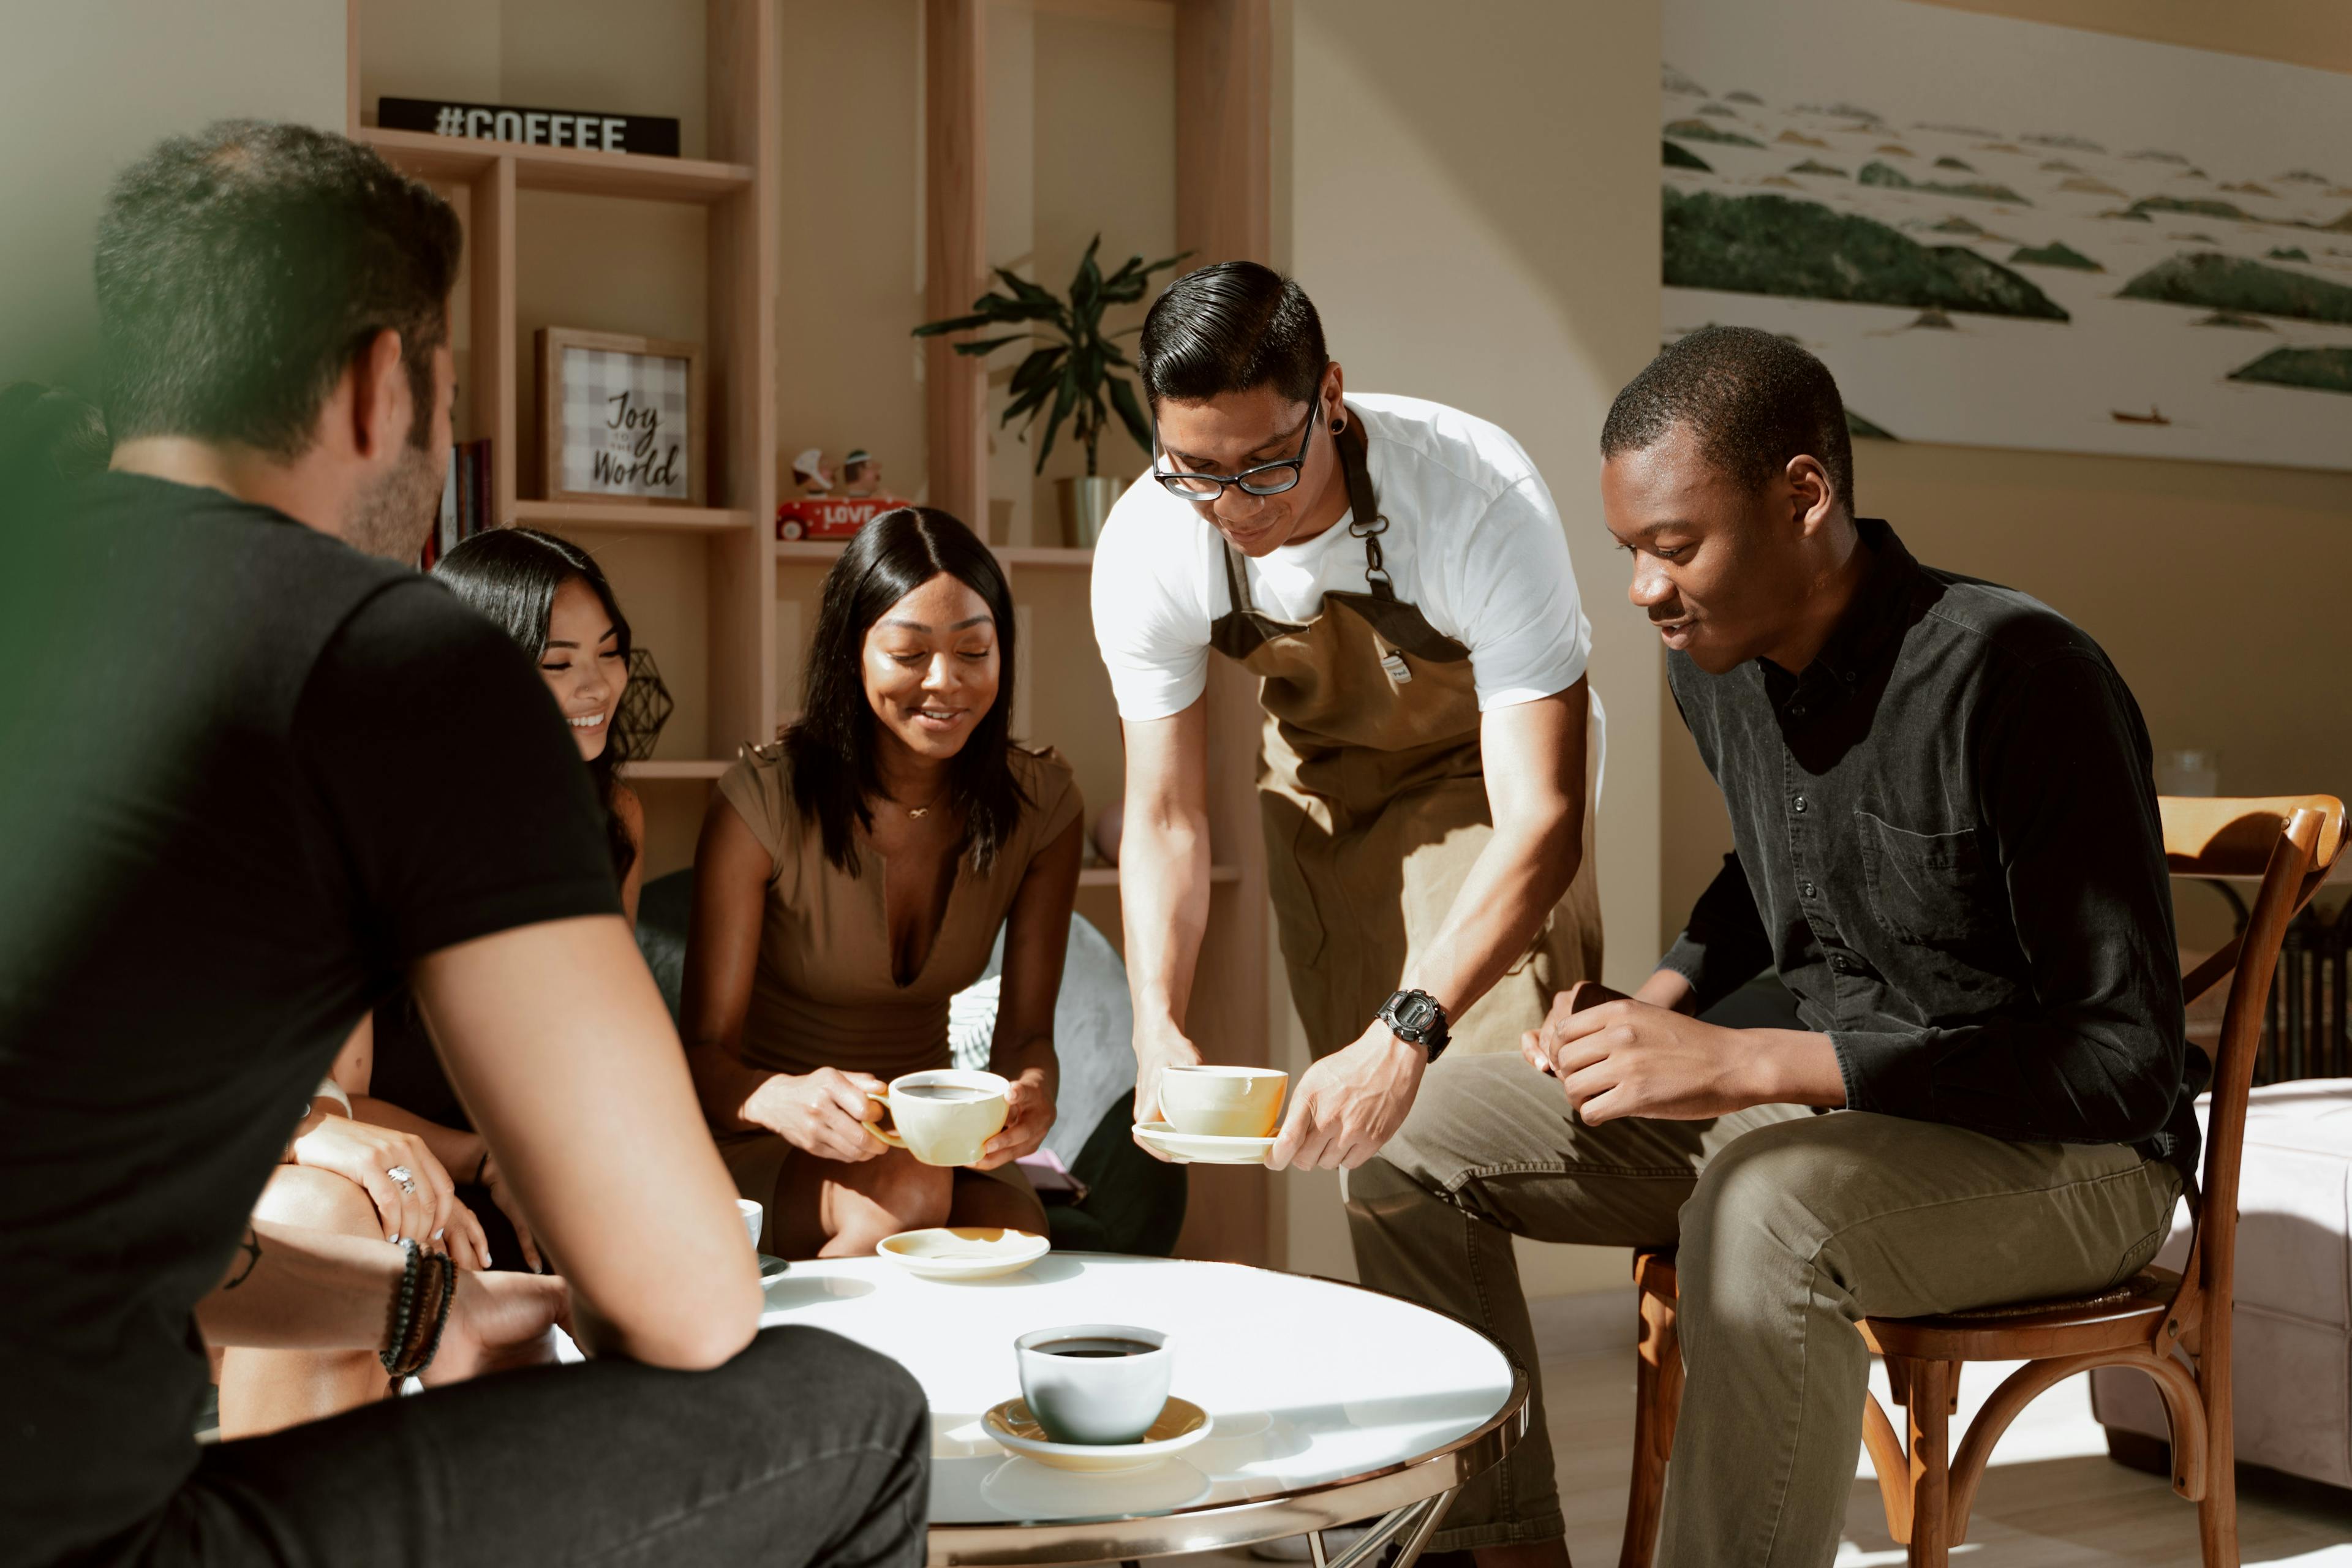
(2008, 234)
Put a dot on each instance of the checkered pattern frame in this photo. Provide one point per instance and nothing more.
(591, 379)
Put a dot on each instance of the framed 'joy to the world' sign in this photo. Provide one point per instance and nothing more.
(620, 417)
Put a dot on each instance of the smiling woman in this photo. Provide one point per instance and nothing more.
(852, 876)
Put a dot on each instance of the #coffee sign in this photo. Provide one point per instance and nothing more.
(533, 126)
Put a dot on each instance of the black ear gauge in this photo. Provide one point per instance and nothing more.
(1337, 425)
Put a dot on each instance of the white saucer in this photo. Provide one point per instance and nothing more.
(963, 1252)
(1203, 1149)
(1182, 1424)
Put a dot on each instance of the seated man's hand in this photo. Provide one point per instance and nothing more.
(1538, 1044)
(1634, 1058)
(499, 1321)
(827, 1112)
(1026, 1123)
(1351, 1104)
(1629, 1058)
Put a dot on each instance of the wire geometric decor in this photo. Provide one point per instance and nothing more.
(646, 706)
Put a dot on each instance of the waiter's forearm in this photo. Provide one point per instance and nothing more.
(1519, 877)
(1164, 883)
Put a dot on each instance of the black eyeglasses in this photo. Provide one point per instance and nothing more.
(1266, 479)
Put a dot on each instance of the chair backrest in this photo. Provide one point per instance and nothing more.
(2291, 842)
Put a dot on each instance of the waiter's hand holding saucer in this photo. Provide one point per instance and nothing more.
(1351, 1104)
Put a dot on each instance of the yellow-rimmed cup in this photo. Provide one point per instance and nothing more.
(1210, 1101)
(944, 1117)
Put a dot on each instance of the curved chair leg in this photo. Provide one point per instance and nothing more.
(1886, 1457)
(1657, 1400)
(2217, 1510)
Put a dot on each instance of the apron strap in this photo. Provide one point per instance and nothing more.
(1237, 592)
(1364, 519)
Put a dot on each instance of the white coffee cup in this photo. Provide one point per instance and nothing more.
(945, 1116)
(1095, 1382)
(1209, 1101)
(753, 1213)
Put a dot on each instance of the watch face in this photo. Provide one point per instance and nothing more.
(1415, 1012)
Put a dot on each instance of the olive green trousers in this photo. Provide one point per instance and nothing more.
(1793, 1226)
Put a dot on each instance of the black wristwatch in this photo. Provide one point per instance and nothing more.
(1415, 1017)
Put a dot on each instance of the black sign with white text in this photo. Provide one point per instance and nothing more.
(536, 127)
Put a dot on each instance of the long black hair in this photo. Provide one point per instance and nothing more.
(830, 748)
(511, 575)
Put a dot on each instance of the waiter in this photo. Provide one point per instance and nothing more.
(1395, 573)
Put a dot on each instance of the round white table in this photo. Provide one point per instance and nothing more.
(1331, 1405)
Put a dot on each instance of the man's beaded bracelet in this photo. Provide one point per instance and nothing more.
(417, 1326)
(403, 1311)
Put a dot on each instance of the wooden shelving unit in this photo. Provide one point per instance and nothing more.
(719, 552)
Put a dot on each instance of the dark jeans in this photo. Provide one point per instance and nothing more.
(805, 1449)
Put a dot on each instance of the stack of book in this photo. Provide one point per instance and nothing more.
(465, 502)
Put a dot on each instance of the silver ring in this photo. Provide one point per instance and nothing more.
(405, 1177)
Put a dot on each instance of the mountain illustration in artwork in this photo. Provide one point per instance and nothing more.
(1778, 245)
(1877, 173)
(1700, 130)
(2322, 370)
(2233, 283)
(2201, 207)
(2057, 253)
(2091, 282)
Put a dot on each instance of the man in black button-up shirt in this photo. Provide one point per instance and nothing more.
(1948, 846)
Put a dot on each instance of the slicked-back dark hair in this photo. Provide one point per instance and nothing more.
(830, 748)
(1230, 328)
(511, 575)
(241, 269)
(1755, 400)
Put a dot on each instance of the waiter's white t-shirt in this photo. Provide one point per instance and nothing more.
(1473, 540)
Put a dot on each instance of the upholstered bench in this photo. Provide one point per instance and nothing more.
(2292, 1360)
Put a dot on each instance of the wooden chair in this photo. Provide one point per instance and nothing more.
(2173, 1327)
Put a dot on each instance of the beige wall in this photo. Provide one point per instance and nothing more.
(2214, 586)
(1473, 205)
(91, 86)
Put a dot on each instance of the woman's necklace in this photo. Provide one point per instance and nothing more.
(925, 809)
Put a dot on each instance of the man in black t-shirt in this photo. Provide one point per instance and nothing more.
(253, 772)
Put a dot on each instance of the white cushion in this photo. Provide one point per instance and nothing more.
(2292, 1353)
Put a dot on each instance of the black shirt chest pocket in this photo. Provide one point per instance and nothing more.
(1937, 890)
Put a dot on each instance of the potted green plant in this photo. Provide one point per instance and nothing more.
(1072, 377)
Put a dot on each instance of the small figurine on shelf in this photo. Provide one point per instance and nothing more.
(861, 474)
(809, 472)
(819, 513)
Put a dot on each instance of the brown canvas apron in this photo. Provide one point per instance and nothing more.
(1374, 800)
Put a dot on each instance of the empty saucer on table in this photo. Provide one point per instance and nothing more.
(1203, 1148)
(1180, 1425)
(964, 1251)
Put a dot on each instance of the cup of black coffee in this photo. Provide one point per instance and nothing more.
(1095, 1382)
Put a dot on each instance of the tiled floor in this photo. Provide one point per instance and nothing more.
(2051, 1499)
